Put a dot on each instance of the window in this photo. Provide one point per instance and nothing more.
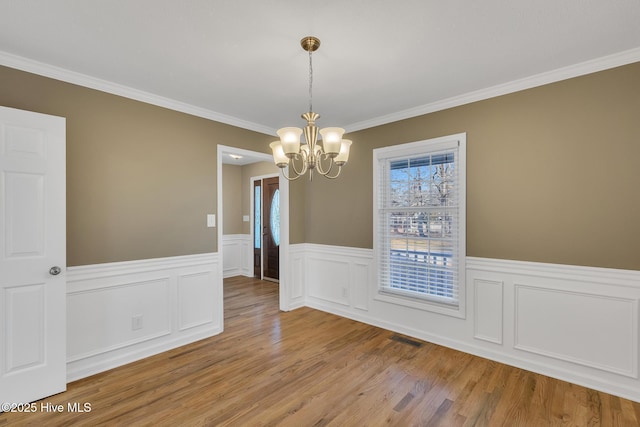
(419, 197)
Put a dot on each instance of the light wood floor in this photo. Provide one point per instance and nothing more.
(309, 368)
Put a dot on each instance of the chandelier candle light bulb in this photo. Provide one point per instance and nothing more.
(310, 156)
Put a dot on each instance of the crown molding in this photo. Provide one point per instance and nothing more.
(576, 70)
(62, 74)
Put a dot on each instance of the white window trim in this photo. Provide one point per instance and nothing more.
(412, 149)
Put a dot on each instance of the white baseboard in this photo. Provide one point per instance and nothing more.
(578, 324)
(140, 308)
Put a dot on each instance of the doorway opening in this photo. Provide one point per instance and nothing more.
(278, 211)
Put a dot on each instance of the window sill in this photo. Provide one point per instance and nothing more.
(424, 305)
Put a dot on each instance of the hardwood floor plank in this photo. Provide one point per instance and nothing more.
(309, 368)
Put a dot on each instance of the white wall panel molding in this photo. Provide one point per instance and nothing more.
(147, 298)
(237, 255)
(296, 267)
(488, 310)
(574, 323)
(573, 273)
(338, 275)
(361, 277)
(339, 251)
(337, 291)
(588, 329)
(121, 312)
(195, 294)
(246, 261)
(79, 277)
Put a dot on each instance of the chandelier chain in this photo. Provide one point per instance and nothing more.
(310, 82)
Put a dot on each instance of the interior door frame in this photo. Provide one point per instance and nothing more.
(283, 183)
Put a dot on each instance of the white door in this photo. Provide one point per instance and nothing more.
(32, 245)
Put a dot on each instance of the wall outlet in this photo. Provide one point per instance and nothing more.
(344, 293)
(136, 322)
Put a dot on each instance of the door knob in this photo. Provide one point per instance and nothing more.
(55, 270)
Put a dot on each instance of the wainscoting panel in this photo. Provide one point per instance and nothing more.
(338, 276)
(297, 270)
(578, 324)
(336, 289)
(195, 294)
(121, 312)
(592, 330)
(360, 279)
(237, 255)
(488, 310)
(121, 303)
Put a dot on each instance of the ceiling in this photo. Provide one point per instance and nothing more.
(240, 61)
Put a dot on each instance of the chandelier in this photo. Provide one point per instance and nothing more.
(327, 159)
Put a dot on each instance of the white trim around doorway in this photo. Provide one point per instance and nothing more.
(285, 298)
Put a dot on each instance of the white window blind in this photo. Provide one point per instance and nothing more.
(419, 213)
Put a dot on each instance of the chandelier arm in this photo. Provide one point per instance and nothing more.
(298, 174)
(289, 178)
(292, 165)
(301, 157)
(322, 171)
(334, 176)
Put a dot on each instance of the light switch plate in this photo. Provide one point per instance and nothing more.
(245, 218)
(211, 220)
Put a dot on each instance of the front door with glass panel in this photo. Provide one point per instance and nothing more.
(266, 229)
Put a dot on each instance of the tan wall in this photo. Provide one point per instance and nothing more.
(232, 187)
(140, 179)
(236, 193)
(297, 209)
(553, 174)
